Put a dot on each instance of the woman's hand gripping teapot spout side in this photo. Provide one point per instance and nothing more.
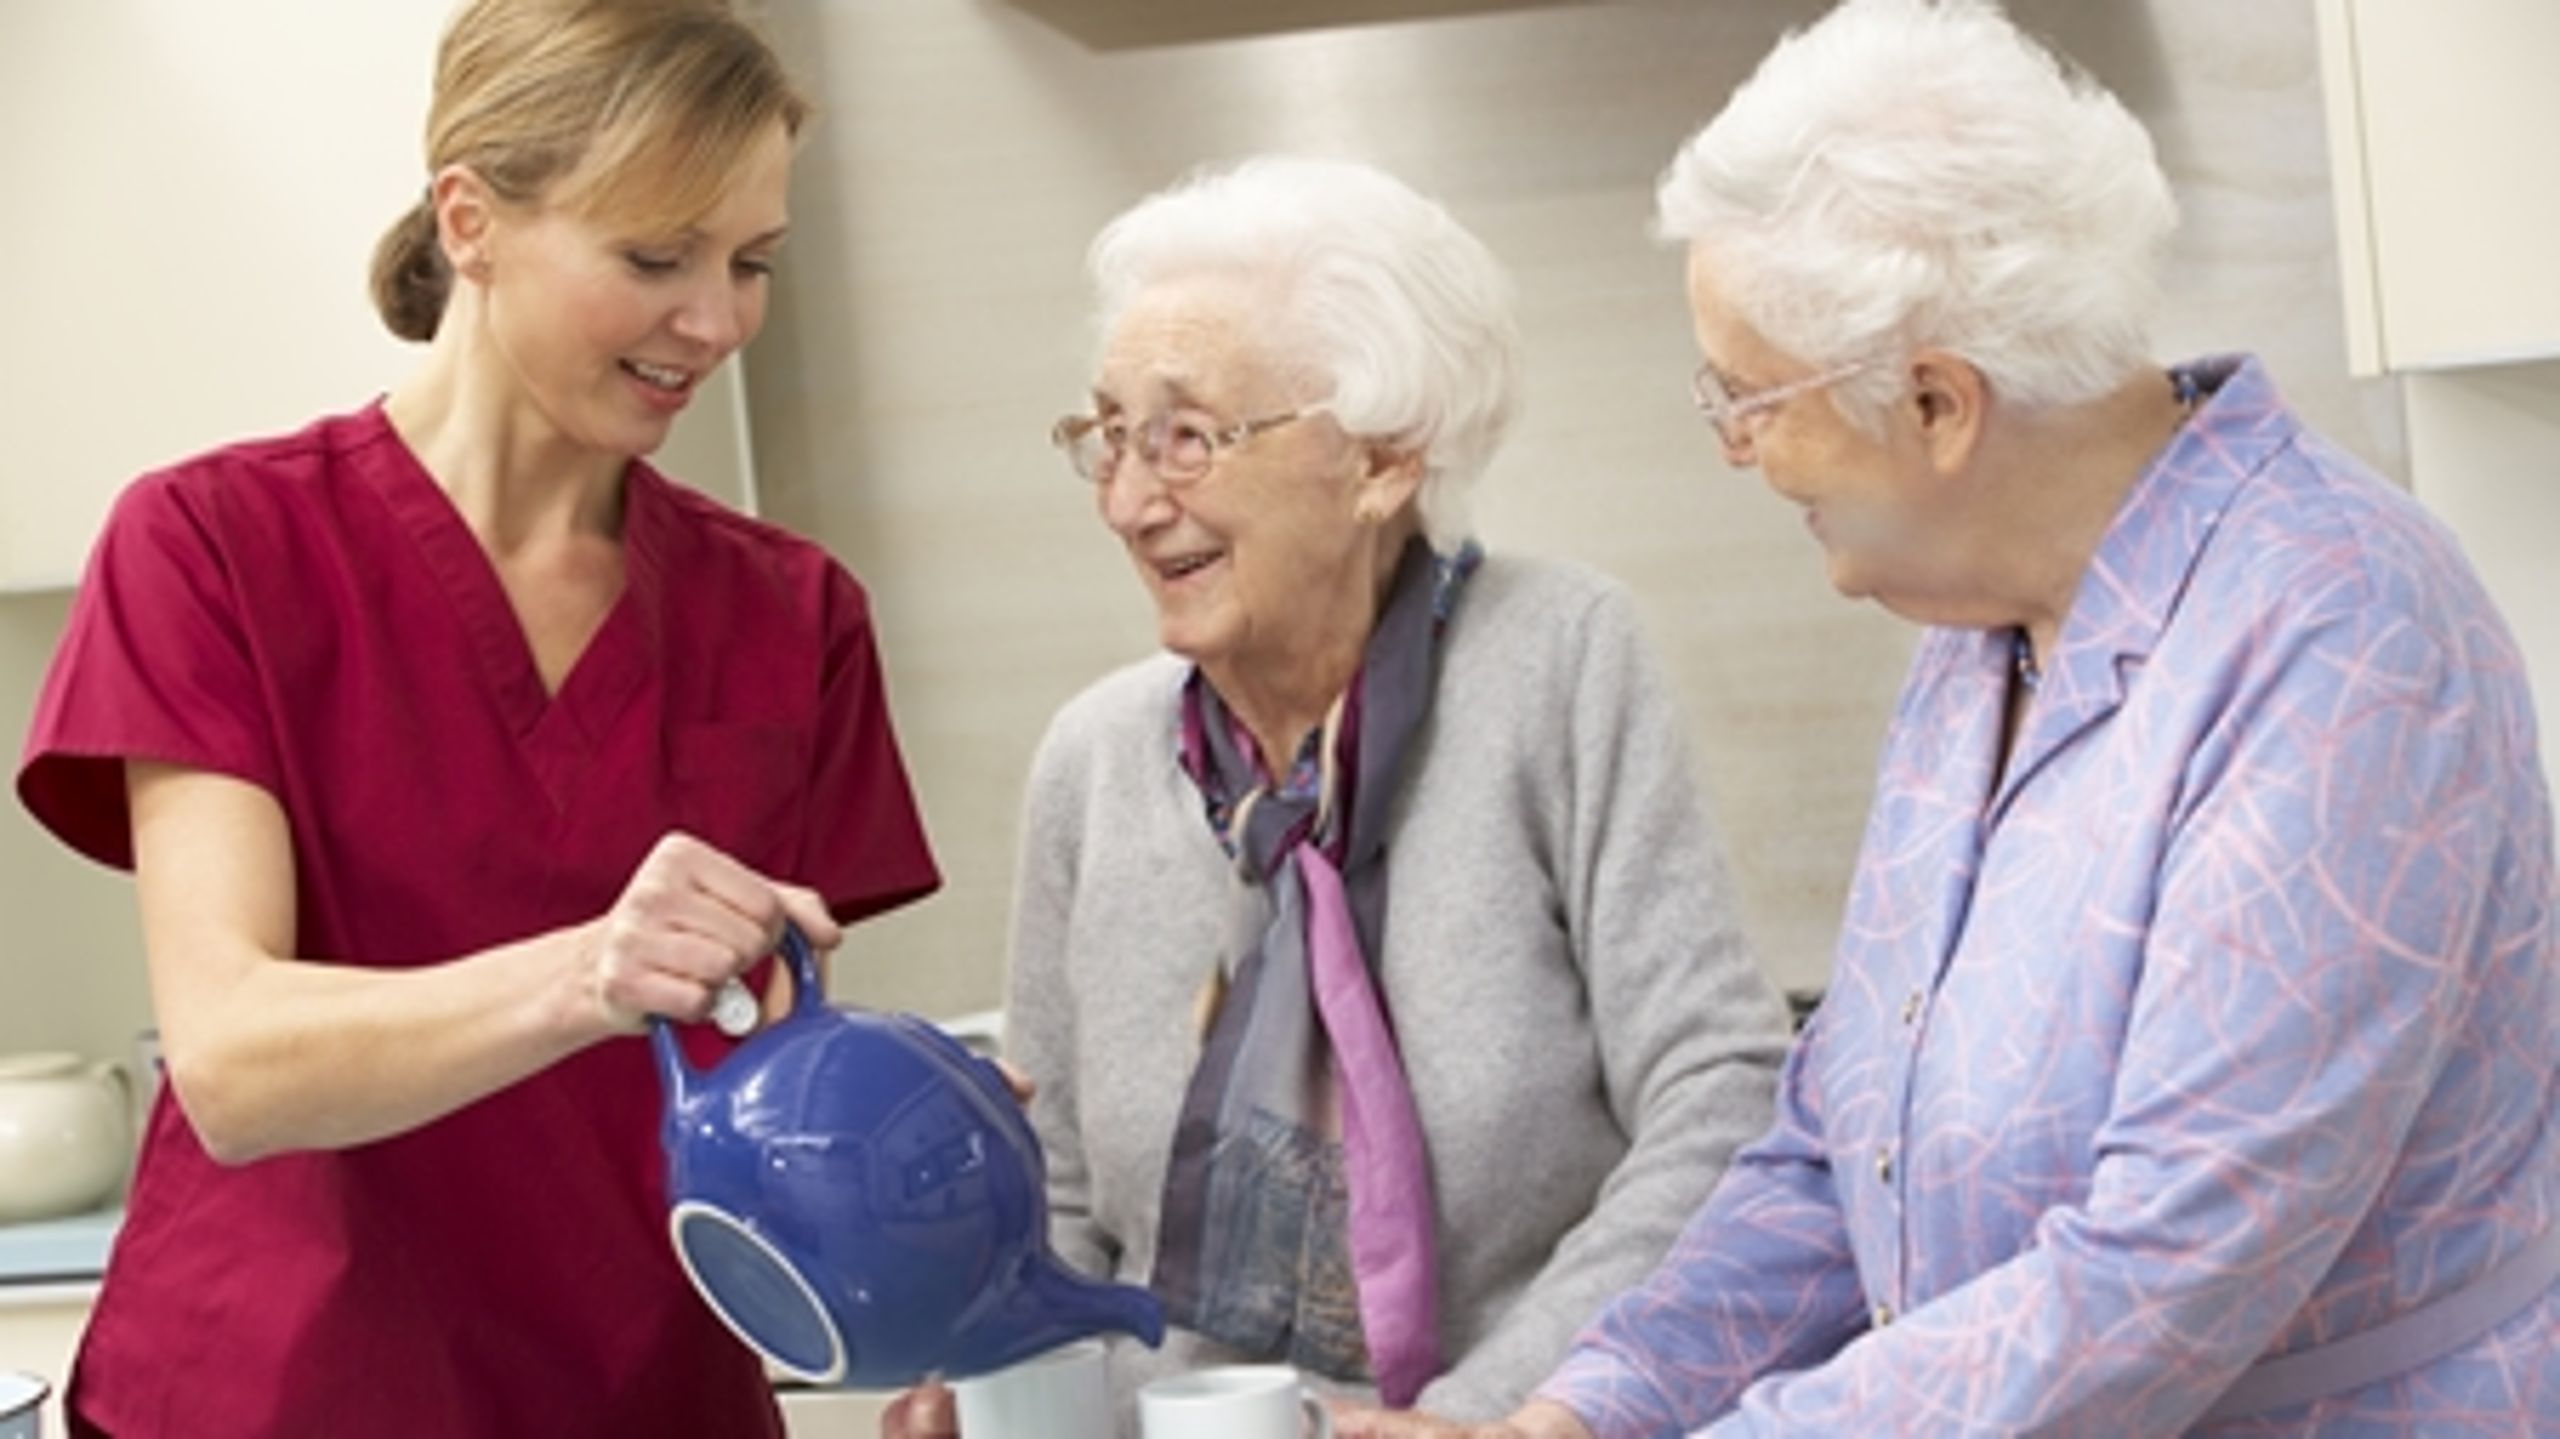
(688, 923)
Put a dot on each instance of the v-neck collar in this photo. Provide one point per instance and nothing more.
(611, 666)
(2140, 570)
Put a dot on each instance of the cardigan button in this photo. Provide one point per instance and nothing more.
(1883, 1315)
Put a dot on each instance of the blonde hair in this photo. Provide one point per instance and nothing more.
(630, 111)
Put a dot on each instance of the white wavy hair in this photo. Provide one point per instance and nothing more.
(1918, 172)
(1376, 291)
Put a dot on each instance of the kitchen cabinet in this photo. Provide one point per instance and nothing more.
(1109, 25)
(2439, 119)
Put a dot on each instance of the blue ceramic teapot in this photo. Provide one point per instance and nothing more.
(862, 1201)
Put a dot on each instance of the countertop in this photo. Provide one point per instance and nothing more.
(56, 1251)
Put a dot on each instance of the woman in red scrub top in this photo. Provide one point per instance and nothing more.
(447, 740)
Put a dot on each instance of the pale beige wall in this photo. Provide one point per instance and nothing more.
(196, 190)
(70, 947)
(933, 323)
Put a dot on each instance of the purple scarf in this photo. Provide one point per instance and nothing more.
(1277, 1237)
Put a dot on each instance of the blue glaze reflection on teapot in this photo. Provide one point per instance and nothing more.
(861, 1200)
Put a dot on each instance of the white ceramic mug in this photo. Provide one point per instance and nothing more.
(1243, 1401)
(1063, 1393)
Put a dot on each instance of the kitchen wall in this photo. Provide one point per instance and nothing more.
(70, 947)
(932, 323)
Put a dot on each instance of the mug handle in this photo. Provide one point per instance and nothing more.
(808, 995)
(1317, 1414)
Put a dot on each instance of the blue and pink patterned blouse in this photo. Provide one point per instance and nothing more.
(2226, 1025)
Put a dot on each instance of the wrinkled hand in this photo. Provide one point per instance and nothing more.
(1541, 1419)
(924, 1412)
(690, 920)
(1359, 1421)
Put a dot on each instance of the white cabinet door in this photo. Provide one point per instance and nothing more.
(2441, 121)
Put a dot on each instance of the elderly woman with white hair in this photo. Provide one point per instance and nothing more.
(2189, 1056)
(1374, 958)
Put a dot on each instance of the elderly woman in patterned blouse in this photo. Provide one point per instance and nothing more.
(2189, 1059)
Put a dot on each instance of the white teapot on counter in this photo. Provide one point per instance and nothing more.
(64, 1134)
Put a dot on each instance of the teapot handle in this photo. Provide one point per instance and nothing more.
(808, 987)
(808, 996)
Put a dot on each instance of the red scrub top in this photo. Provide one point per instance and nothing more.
(310, 614)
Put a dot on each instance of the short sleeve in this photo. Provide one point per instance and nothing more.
(154, 663)
(866, 849)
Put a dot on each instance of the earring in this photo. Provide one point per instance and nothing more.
(1369, 512)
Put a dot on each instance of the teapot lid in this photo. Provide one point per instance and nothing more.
(43, 1064)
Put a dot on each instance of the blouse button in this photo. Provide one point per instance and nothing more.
(1911, 1007)
(1883, 1315)
(1884, 1165)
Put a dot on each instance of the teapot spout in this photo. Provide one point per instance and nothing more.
(1054, 1306)
(1099, 1307)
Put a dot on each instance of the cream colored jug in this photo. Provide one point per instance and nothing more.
(64, 1134)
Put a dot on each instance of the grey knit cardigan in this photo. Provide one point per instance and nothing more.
(1587, 1035)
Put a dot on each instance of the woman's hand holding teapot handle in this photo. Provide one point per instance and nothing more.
(690, 920)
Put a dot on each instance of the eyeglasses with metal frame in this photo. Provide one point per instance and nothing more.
(1179, 447)
(1733, 413)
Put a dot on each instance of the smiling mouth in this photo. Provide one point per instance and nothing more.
(1183, 567)
(669, 378)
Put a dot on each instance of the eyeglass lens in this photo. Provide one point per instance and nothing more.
(1178, 450)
